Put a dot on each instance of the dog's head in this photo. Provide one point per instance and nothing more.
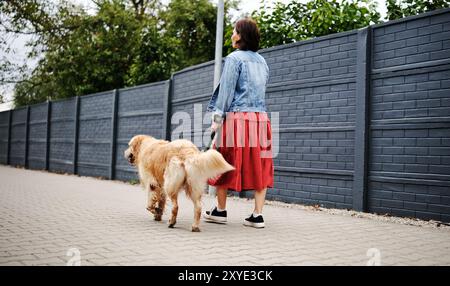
(134, 146)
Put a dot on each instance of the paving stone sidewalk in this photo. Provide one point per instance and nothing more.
(52, 219)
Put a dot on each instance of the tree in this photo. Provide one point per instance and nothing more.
(96, 56)
(193, 22)
(287, 23)
(397, 9)
(79, 54)
(156, 57)
(124, 43)
(44, 24)
(145, 7)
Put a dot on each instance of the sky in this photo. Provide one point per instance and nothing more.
(246, 6)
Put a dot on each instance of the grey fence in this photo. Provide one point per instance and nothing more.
(364, 120)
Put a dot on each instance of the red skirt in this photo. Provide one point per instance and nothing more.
(245, 142)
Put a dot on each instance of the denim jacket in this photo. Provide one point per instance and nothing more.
(242, 86)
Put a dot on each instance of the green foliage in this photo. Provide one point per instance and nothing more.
(133, 181)
(45, 22)
(286, 23)
(124, 43)
(95, 56)
(31, 92)
(397, 9)
(193, 22)
(157, 56)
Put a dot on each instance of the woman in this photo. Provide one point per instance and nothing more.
(239, 114)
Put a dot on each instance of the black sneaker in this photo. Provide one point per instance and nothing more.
(257, 222)
(215, 216)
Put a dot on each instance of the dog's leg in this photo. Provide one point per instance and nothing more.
(197, 213)
(150, 199)
(161, 205)
(174, 176)
(149, 184)
(173, 218)
(196, 184)
(152, 202)
(196, 197)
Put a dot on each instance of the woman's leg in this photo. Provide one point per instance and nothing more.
(260, 197)
(221, 197)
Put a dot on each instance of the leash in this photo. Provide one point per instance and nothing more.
(209, 146)
(213, 134)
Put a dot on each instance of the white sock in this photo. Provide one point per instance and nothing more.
(256, 214)
(220, 210)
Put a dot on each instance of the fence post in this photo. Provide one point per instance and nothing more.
(27, 131)
(47, 140)
(167, 109)
(112, 167)
(8, 146)
(75, 140)
(363, 59)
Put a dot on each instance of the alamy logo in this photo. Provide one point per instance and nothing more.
(375, 257)
(75, 255)
(241, 130)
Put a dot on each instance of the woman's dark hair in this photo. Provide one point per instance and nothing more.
(249, 32)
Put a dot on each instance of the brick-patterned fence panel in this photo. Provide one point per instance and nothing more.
(191, 91)
(364, 120)
(94, 134)
(18, 137)
(37, 141)
(410, 118)
(141, 110)
(312, 87)
(62, 135)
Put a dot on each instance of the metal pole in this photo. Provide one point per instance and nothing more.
(112, 165)
(218, 58)
(219, 43)
(27, 137)
(76, 135)
(362, 128)
(47, 140)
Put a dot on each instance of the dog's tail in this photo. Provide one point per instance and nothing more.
(207, 165)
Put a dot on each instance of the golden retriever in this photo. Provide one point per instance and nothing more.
(165, 168)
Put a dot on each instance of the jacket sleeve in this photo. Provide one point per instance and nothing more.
(227, 86)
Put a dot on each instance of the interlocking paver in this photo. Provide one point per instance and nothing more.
(44, 215)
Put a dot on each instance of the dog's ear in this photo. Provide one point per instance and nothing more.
(135, 143)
